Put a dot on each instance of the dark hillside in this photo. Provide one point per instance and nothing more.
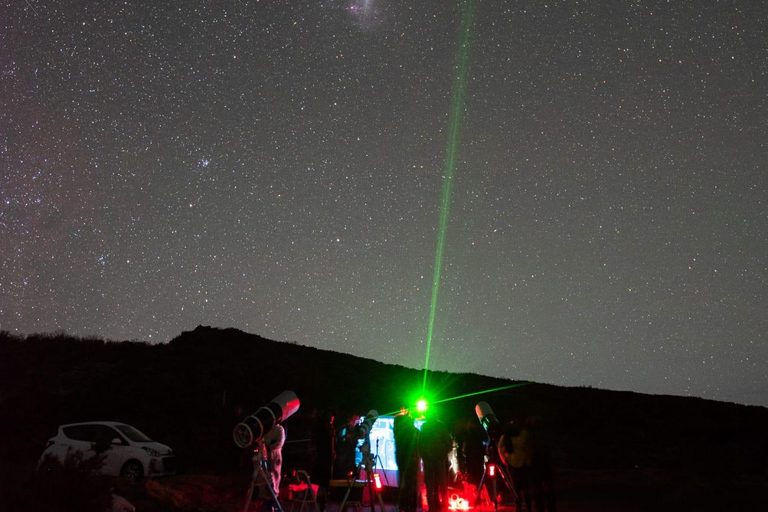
(191, 392)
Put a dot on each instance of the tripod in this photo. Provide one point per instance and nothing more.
(505, 477)
(377, 460)
(369, 463)
(261, 473)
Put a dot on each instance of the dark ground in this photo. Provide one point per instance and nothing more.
(598, 491)
(615, 451)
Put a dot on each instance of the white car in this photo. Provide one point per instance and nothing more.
(128, 452)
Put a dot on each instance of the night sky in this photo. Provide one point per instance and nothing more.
(277, 167)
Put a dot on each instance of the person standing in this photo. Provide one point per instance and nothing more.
(542, 471)
(434, 445)
(324, 437)
(515, 450)
(407, 458)
(470, 452)
(470, 441)
(346, 446)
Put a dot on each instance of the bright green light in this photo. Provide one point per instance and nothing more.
(421, 404)
(454, 124)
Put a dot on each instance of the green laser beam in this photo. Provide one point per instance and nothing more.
(476, 393)
(454, 124)
(519, 384)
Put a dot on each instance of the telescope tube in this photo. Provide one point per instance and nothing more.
(488, 420)
(253, 428)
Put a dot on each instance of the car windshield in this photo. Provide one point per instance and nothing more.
(132, 434)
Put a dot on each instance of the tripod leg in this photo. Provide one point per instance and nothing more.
(351, 484)
(254, 479)
(248, 500)
(377, 460)
(507, 478)
(371, 492)
(314, 496)
(381, 503)
(268, 479)
(479, 494)
(346, 495)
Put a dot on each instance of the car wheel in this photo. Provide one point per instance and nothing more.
(132, 470)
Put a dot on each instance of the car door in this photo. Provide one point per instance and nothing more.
(90, 440)
(78, 440)
(112, 444)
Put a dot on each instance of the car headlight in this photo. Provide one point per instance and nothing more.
(151, 452)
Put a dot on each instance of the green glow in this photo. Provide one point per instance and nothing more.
(416, 403)
(454, 124)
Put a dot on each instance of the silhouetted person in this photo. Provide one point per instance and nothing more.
(324, 437)
(407, 457)
(346, 447)
(515, 449)
(542, 471)
(470, 442)
(434, 445)
(470, 452)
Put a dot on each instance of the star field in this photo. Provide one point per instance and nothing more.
(276, 166)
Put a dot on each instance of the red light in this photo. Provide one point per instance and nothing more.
(377, 481)
(492, 470)
(456, 502)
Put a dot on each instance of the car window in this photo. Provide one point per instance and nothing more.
(93, 433)
(105, 434)
(133, 434)
(77, 432)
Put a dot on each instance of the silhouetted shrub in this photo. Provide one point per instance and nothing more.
(74, 484)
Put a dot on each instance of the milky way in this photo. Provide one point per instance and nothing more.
(277, 167)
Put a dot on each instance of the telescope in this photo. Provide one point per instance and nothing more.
(362, 430)
(494, 429)
(488, 420)
(255, 426)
